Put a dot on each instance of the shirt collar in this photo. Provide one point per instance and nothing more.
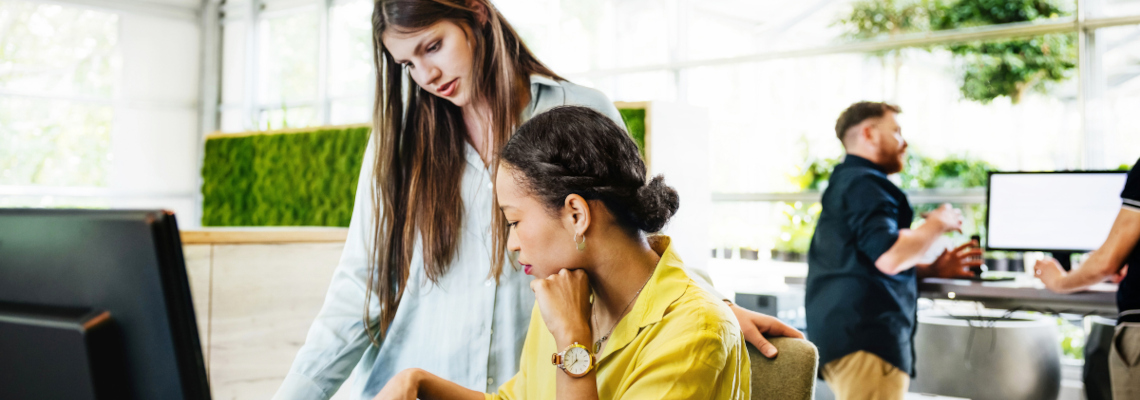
(472, 156)
(856, 161)
(665, 286)
(537, 82)
(536, 79)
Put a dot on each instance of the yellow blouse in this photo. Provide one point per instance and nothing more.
(678, 342)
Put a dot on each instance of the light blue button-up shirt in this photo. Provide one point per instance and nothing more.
(466, 328)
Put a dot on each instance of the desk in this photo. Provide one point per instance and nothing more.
(256, 292)
(1025, 293)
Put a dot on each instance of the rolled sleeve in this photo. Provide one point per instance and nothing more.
(506, 392)
(872, 216)
(297, 386)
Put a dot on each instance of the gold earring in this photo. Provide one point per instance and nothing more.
(581, 246)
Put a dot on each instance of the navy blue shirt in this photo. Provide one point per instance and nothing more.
(1128, 294)
(850, 304)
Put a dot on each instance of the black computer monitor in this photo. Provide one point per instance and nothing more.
(1058, 212)
(95, 304)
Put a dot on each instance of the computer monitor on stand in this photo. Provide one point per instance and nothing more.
(1058, 212)
(95, 304)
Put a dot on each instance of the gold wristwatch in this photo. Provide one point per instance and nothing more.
(576, 360)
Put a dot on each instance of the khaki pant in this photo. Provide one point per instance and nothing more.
(1124, 361)
(865, 376)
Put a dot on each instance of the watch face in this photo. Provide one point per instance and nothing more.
(576, 361)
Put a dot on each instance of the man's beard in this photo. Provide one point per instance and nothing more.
(892, 159)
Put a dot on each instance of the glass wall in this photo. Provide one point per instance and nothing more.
(99, 105)
(773, 76)
(57, 74)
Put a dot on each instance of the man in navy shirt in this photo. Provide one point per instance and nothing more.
(862, 291)
(1114, 257)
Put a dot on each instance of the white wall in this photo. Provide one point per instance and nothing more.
(155, 133)
(679, 149)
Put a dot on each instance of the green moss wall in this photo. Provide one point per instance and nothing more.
(635, 123)
(300, 178)
(290, 179)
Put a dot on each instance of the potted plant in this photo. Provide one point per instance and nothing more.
(797, 225)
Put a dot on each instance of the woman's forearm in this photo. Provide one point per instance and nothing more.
(432, 387)
(571, 388)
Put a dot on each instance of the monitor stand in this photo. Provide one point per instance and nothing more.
(58, 352)
(1065, 258)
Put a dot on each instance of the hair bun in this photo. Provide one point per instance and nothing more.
(657, 202)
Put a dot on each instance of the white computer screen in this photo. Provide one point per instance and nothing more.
(1052, 211)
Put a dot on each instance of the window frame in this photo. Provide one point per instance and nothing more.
(680, 11)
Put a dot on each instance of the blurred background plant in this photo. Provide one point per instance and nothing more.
(988, 70)
(796, 221)
(796, 226)
(1072, 339)
(1011, 67)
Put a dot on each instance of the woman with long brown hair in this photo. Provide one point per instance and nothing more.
(421, 282)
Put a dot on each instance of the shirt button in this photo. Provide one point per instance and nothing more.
(490, 185)
(491, 331)
(490, 381)
(488, 282)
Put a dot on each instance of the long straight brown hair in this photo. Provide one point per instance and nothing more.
(420, 146)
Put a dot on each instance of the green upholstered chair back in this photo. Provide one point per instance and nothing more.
(790, 376)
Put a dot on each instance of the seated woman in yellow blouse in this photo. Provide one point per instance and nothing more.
(615, 316)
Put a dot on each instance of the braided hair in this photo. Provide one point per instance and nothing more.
(577, 150)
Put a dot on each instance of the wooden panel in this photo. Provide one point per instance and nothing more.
(265, 297)
(269, 235)
(198, 272)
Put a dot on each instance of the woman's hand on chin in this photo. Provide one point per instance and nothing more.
(564, 301)
(403, 386)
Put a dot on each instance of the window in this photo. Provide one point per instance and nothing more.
(99, 106)
(1115, 125)
(58, 67)
(313, 64)
(774, 77)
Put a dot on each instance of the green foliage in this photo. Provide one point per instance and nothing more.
(298, 179)
(1072, 339)
(1012, 67)
(921, 172)
(963, 13)
(293, 179)
(988, 70)
(634, 119)
(797, 226)
(814, 175)
(797, 222)
(873, 18)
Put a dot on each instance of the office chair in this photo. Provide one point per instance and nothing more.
(790, 376)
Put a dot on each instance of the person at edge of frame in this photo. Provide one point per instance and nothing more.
(1111, 260)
